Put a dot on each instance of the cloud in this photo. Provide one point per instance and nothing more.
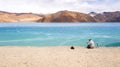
(50, 6)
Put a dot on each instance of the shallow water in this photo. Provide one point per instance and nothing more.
(59, 34)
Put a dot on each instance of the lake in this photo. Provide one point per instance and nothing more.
(59, 34)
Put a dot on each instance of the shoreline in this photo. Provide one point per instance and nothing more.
(58, 56)
(66, 46)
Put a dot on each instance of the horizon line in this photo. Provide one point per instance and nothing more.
(57, 11)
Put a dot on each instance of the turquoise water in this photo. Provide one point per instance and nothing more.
(59, 34)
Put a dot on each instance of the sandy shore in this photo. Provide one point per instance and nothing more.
(59, 56)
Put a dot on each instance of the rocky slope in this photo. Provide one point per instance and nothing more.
(68, 16)
(19, 17)
(61, 16)
(107, 16)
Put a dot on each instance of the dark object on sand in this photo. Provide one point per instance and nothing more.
(72, 47)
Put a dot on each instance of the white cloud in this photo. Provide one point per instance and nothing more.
(50, 6)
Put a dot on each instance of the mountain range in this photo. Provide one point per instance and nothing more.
(60, 16)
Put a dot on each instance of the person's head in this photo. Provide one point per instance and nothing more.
(90, 39)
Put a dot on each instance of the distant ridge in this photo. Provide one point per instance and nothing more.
(60, 16)
(68, 16)
(107, 16)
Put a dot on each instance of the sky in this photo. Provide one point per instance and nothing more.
(52, 6)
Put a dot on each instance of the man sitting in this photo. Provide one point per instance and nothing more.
(90, 44)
